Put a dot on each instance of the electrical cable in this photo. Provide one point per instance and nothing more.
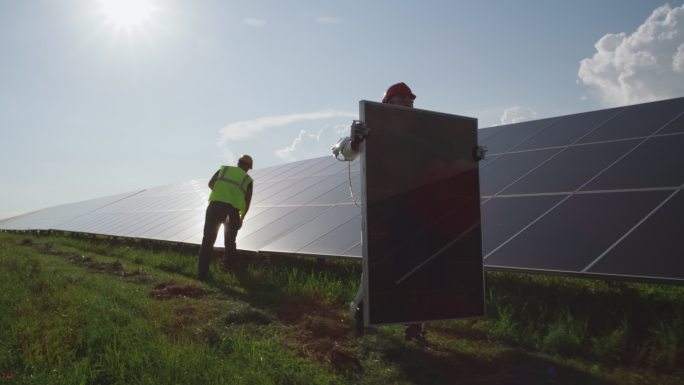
(351, 190)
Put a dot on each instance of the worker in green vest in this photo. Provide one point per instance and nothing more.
(231, 193)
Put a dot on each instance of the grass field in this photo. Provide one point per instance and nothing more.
(82, 311)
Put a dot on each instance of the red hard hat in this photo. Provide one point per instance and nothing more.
(397, 89)
(246, 159)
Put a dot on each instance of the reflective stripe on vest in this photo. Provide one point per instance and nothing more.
(230, 187)
(242, 185)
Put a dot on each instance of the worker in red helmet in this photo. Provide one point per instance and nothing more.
(400, 95)
(231, 194)
(397, 94)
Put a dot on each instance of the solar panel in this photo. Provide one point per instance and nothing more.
(675, 126)
(503, 217)
(275, 228)
(658, 162)
(566, 130)
(571, 236)
(485, 133)
(52, 217)
(568, 170)
(508, 168)
(509, 136)
(653, 249)
(637, 121)
(320, 226)
(422, 241)
(336, 241)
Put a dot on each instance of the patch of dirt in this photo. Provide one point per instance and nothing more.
(320, 331)
(171, 289)
(114, 268)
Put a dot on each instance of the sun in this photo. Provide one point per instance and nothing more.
(127, 14)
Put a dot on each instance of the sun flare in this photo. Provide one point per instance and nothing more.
(127, 14)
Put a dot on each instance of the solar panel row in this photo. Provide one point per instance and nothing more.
(597, 193)
(592, 193)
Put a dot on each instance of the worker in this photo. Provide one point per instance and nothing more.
(401, 95)
(231, 194)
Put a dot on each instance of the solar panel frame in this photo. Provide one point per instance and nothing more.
(397, 278)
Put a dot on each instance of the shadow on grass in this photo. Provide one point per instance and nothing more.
(449, 366)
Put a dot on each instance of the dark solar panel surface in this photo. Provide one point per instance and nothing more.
(423, 248)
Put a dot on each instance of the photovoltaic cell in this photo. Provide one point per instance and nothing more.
(354, 251)
(485, 133)
(637, 121)
(503, 217)
(489, 159)
(337, 240)
(51, 217)
(566, 130)
(510, 136)
(509, 167)
(576, 232)
(278, 227)
(324, 185)
(263, 219)
(296, 169)
(571, 168)
(654, 249)
(659, 162)
(319, 226)
(676, 126)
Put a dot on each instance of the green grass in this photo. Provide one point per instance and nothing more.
(80, 311)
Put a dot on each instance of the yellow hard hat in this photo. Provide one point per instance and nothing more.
(247, 160)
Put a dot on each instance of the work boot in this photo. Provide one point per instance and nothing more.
(358, 321)
(225, 266)
(415, 332)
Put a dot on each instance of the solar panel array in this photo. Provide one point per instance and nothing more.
(597, 193)
(592, 193)
(301, 207)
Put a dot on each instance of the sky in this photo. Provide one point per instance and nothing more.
(103, 97)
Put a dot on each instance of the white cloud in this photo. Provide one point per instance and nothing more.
(254, 22)
(286, 152)
(305, 139)
(328, 20)
(678, 60)
(643, 66)
(248, 128)
(516, 115)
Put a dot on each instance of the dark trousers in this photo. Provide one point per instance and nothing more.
(218, 213)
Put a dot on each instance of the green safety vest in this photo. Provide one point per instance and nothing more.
(231, 186)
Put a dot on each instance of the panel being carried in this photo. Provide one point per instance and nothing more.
(422, 239)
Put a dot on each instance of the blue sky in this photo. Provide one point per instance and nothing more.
(94, 104)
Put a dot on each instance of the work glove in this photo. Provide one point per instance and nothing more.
(359, 132)
(479, 153)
